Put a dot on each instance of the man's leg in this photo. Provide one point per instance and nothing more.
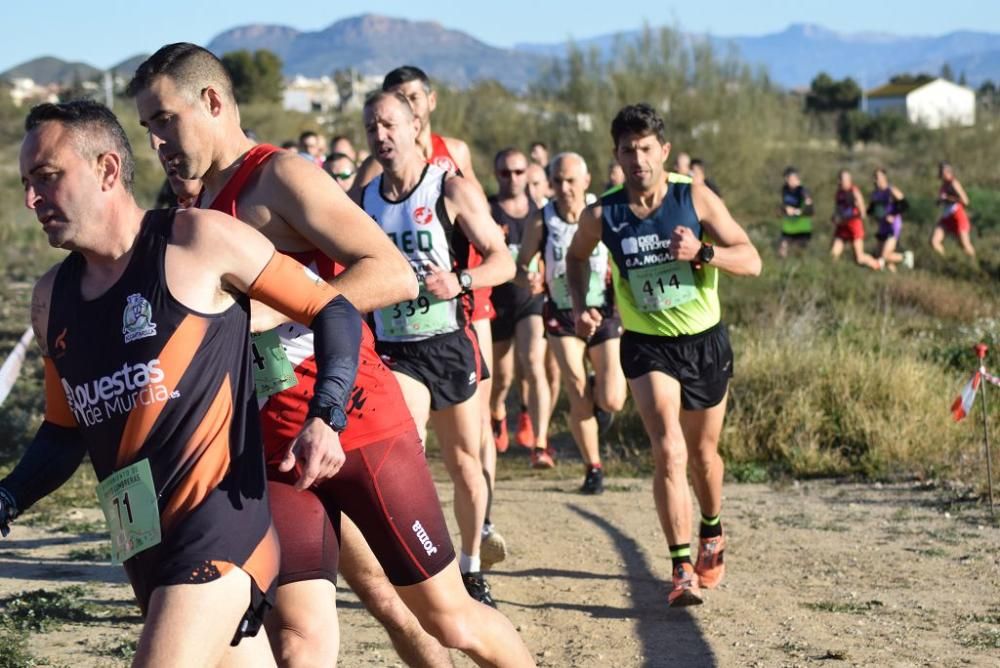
(837, 248)
(569, 351)
(937, 239)
(610, 389)
(303, 627)
(457, 429)
(529, 334)
(861, 257)
(418, 400)
(552, 373)
(658, 399)
(368, 581)
(966, 242)
(701, 432)
(459, 622)
(178, 632)
(503, 378)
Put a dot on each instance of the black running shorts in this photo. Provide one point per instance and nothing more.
(449, 365)
(701, 363)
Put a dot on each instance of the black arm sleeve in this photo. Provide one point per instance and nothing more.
(51, 459)
(902, 206)
(337, 339)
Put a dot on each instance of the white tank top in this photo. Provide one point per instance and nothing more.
(558, 236)
(419, 226)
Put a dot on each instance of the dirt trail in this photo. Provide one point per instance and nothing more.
(819, 573)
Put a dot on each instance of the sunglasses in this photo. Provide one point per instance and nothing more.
(342, 176)
(507, 173)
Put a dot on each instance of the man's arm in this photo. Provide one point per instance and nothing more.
(241, 259)
(960, 191)
(859, 201)
(531, 246)
(467, 206)
(588, 235)
(463, 158)
(734, 252)
(57, 449)
(376, 274)
(367, 171)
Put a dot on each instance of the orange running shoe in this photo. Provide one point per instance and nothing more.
(685, 587)
(540, 459)
(525, 431)
(710, 567)
(500, 437)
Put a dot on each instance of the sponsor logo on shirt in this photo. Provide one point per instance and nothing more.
(137, 319)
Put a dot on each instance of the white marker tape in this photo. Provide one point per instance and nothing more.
(12, 365)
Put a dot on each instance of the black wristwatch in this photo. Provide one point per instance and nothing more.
(465, 280)
(706, 253)
(332, 415)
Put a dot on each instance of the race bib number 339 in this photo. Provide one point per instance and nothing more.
(424, 315)
(128, 499)
(662, 286)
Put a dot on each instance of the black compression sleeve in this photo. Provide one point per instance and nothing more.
(50, 460)
(337, 339)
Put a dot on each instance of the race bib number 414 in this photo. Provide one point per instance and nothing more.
(662, 286)
(128, 499)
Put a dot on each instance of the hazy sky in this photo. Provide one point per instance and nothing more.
(105, 32)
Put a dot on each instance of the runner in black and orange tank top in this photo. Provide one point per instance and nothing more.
(145, 332)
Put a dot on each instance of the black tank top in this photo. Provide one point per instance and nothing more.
(146, 377)
(513, 228)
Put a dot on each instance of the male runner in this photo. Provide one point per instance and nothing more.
(518, 330)
(553, 235)
(887, 205)
(848, 213)
(453, 156)
(428, 341)
(954, 220)
(796, 210)
(184, 97)
(341, 169)
(144, 332)
(668, 241)
(538, 184)
(539, 153)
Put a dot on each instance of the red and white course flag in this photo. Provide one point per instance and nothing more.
(963, 403)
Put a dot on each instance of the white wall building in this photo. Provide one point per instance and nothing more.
(933, 104)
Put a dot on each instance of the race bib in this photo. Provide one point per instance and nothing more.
(559, 291)
(515, 249)
(662, 286)
(272, 372)
(424, 315)
(128, 499)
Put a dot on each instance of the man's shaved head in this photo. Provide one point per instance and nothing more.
(569, 158)
(191, 67)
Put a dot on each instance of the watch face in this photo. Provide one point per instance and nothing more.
(338, 419)
(465, 279)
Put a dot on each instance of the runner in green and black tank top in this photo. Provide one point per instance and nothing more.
(668, 240)
(796, 210)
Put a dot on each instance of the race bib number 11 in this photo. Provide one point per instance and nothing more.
(128, 499)
(272, 371)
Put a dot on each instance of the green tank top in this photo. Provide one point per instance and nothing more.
(655, 294)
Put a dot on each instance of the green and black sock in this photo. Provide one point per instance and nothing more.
(680, 554)
(711, 527)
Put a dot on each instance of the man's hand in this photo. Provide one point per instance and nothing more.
(684, 246)
(8, 511)
(588, 322)
(317, 448)
(441, 283)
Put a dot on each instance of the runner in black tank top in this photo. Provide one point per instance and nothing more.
(518, 331)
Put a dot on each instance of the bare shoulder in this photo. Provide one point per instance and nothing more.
(456, 145)
(41, 299)
(204, 229)
(459, 188)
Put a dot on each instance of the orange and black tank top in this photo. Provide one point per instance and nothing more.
(374, 411)
(148, 378)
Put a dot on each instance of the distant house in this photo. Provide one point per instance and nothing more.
(933, 104)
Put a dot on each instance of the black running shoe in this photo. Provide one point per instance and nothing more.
(594, 482)
(478, 589)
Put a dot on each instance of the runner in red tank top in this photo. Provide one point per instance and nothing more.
(185, 99)
(849, 207)
(954, 220)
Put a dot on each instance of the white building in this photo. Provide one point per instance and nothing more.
(933, 104)
(325, 94)
(23, 89)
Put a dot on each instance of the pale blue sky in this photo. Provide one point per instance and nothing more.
(105, 32)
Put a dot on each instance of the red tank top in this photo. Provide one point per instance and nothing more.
(375, 412)
(478, 306)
